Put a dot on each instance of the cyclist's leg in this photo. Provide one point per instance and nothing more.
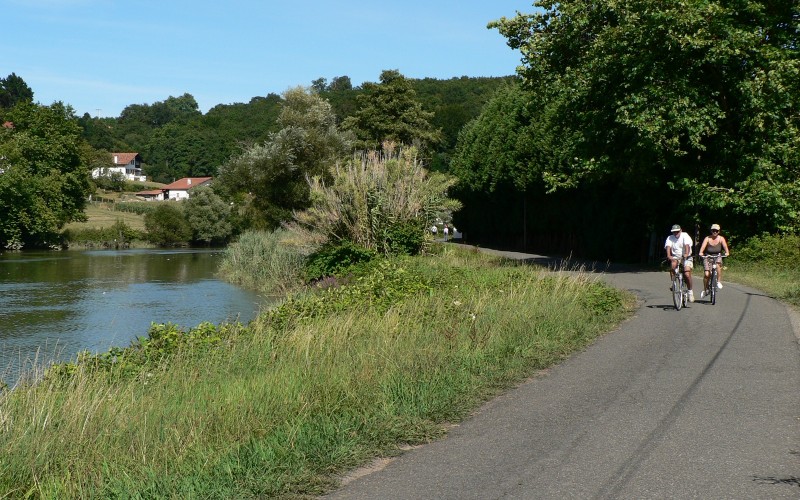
(687, 274)
(673, 263)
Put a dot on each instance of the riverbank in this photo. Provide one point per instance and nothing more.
(308, 390)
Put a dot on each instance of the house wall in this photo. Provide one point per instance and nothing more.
(177, 194)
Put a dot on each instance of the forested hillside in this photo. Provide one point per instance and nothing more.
(176, 140)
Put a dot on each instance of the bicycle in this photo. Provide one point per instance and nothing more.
(711, 291)
(680, 293)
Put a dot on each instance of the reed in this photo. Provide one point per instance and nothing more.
(262, 261)
(280, 411)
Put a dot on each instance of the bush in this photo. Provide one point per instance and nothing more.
(119, 234)
(336, 260)
(135, 207)
(115, 181)
(771, 250)
(166, 225)
(405, 238)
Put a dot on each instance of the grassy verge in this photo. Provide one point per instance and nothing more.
(768, 263)
(308, 390)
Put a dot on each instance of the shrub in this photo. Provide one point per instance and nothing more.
(405, 238)
(118, 233)
(166, 225)
(135, 207)
(772, 250)
(336, 259)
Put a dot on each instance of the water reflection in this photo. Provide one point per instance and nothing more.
(58, 303)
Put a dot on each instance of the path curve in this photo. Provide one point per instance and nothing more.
(698, 403)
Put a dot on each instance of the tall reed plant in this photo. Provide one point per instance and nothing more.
(265, 261)
(374, 199)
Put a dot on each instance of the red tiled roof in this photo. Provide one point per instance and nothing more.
(187, 183)
(124, 158)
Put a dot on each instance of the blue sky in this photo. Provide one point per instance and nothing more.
(102, 55)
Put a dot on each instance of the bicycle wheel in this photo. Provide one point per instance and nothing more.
(713, 290)
(677, 292)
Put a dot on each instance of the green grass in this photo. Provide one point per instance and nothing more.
(103, 215)
(305, 392)
(768, 263)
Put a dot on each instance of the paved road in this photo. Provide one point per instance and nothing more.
(699, 403)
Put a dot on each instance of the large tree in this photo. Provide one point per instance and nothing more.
(390, 111)
(44, 173)
(269, 180)
(13, 89)
(686, 109)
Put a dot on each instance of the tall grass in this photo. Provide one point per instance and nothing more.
(769, 263)
(262, 261)
(283, 407)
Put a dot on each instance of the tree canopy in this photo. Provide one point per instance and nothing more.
(269, 180)
(389, 111)
(13, 90)
(671, 109)
(44, 173)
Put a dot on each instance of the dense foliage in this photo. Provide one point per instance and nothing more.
(44, 173)
(649, 113)
(13, 90)
(269, 180)
(390, 112)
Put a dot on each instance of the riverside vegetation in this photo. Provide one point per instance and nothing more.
(308, 390)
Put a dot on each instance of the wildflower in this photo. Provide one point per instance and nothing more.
(456, 303)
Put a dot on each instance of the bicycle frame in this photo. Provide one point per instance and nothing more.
(715, 261)
(679, 291)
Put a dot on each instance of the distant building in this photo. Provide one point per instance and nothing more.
(152, 195)
(127, 164)
(178, 190)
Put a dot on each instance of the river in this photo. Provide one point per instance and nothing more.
(55, 304)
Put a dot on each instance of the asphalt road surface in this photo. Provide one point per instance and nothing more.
(699, 403)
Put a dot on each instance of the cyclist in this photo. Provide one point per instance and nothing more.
(715, 244)
(679, 246)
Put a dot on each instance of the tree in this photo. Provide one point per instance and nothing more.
(166, 225)
(44, 174)
(269, 179)
(390, 112)
(681, 109)
(13, 90)
(208, 216)
(499, 147)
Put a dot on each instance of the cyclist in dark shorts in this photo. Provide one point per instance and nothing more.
(714, 244)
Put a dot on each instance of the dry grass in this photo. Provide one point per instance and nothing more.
(102, 215)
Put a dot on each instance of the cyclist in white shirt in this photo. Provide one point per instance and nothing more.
(679, 246)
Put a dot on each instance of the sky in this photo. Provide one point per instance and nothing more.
(100, 56)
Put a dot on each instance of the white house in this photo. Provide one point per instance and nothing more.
(127, 164)
(179, 190)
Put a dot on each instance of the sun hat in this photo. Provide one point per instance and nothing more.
(675, 227)
(715, 226)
